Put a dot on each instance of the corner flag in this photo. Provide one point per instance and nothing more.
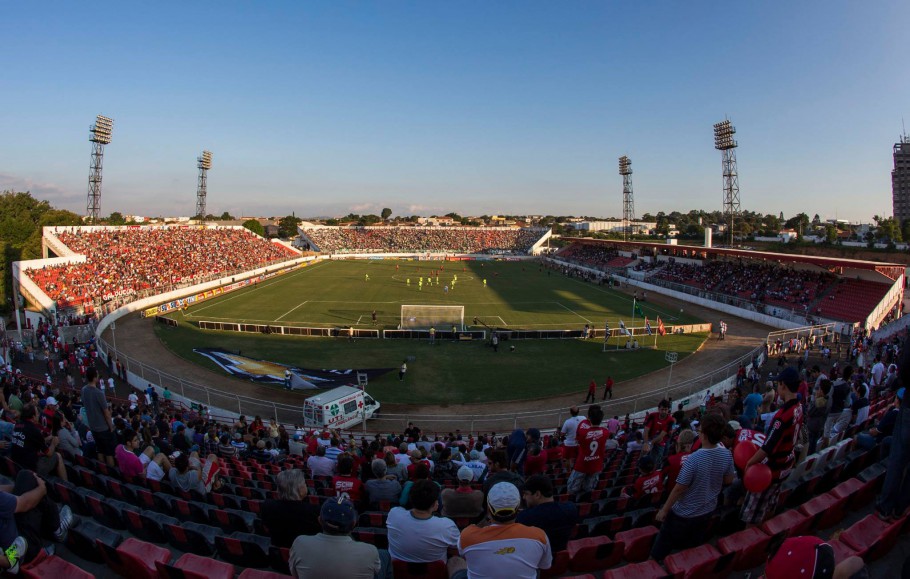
(622, 328)
(636, 309)
(661, 330)
(647, 326)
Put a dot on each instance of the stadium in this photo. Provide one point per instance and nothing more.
(574, 309)
(366, 291)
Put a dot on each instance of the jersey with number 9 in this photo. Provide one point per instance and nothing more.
(591, 444)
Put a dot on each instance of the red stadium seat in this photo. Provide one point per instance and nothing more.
(594, 553)
(192, 566)
(857, 493)
(792, 522)
(825, 510)
(750, 547)
(54, 567)
(638, 542)
(260, 574)
(703, 562)
(872, 537)
(134, 558)
(644, 570)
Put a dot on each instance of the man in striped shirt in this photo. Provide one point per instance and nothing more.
(694, 498)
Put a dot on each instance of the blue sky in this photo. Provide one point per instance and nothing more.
(322, 108)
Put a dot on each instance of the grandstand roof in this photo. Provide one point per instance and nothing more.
(834, 265)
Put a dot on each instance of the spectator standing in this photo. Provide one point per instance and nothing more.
(608, 388)
(656, 435)
(839, 411)
(568, 430)
(694, 498)
(592, 437)
(503, 548)
(751, 405)
(895, 494)
(592, 388)
(817, 414)
(415, 535)
(556, 519)
(99, 417)
(290, 516)
(333, 553)
(778, 450)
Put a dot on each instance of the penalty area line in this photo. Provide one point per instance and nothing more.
(573, 312)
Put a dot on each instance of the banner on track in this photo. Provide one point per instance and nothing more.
(265, 372)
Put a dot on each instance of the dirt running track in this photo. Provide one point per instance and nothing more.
(136, 339)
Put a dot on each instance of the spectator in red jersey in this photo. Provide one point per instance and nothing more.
(656, 435)
(589, 463)
(778, 452)
(649, 482)
(345, 483)
(676, 460)
(536, 461)
(592, 388)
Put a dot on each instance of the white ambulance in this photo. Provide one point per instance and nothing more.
(341, 407)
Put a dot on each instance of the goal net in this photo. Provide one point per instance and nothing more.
(422, 317)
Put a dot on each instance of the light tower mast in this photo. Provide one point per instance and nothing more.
(204, 163)
(100, 136)
(628, 203)
(724, 142)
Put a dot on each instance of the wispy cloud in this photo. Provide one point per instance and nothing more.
(54, 194)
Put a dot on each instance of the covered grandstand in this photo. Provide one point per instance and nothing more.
(796, 288)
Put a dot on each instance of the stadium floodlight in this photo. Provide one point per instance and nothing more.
(625, 166)
(726, 144)
(100, 136)
(204, 163)
(723, 136)
(628, 201)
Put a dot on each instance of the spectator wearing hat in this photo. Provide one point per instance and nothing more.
(385, 487)
(333, 553)
(694, 497)
(290, 516)
(556, 519)
(778, 451)
(463, 501)
(477, 466)
(504, 547)
(415, 535)
(812, 558)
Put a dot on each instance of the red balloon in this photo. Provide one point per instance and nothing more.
(757, 478)
(742, 452)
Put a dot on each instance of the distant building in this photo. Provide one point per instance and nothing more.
(900, 180)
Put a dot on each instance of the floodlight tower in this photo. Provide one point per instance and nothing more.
(724, 142)
(100, 136)
(628, 203)
(204, 163)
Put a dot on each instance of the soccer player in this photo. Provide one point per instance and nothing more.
(445, 289)
(366, 277)
(484, 282)
(409, 281)
(373, 315)
(589, 463)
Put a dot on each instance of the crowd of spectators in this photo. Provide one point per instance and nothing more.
(595, 256)
(433, 487)
(754, 282)
(121, 261)
(489, 240)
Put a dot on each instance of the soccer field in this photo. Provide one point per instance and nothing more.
(517, 296)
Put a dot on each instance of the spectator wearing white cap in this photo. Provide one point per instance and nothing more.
(463, 501)
(503, 548)
(415, 535)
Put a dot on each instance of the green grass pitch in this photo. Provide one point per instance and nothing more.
(517, 295)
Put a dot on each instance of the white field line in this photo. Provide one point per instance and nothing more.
(574, 312)
(258, 287)
(289, 311)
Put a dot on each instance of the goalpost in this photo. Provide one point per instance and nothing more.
(423, 317)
